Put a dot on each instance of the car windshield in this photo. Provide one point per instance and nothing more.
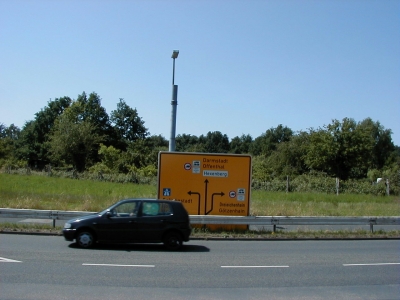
(125, 207)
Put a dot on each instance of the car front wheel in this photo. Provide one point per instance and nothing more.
(173, 241)
(85, 239)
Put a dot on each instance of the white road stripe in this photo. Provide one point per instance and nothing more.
(2, 259)
(115, 265)
(378, 264)
(254, 266)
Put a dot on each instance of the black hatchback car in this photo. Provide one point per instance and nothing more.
(133, 221)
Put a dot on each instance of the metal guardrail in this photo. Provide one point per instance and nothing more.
(41, 214)
(279, 220)
(218, 220)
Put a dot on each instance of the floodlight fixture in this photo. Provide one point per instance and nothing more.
(175, 54)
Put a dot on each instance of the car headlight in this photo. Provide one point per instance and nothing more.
(67, 225)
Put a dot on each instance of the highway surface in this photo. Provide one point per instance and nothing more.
(48, 267)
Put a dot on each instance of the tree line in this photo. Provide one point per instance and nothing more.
(79, 134)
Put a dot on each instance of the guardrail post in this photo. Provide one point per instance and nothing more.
(372, 222)
(54, 216)
(274, 222)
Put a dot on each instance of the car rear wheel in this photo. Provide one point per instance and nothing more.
(85, 239)
(172, 241)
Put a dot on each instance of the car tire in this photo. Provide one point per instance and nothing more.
(172, 241)
(85, 239)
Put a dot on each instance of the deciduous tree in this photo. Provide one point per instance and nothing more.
(268, 141)
(215, 142)
(32, 146)
(241, 145)
(341, 149)
(8, 143)
(74, 142)
(127, 125)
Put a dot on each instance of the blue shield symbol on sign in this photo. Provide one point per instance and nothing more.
(166, 192)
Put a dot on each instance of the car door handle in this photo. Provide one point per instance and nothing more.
(131, 221)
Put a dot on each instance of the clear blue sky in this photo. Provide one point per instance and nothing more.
(244, 66)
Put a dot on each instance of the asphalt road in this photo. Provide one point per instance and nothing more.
(48, 267)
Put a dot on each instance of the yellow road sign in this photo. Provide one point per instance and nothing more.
(206, 184)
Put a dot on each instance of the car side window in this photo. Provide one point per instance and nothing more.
(156, 209)
(150, 209)
(128, 209)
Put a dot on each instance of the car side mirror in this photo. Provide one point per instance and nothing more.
(108, 214)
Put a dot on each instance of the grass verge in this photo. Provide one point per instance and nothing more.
(54, 193)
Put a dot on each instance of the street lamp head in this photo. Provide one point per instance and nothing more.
(175, 54)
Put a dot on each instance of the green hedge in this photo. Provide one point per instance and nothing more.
(133, 177)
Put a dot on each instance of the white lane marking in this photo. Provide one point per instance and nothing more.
(2, 259)
(116, 265)
(254, 266)
(378, 264)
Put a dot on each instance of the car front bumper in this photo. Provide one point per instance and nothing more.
(69, 234)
